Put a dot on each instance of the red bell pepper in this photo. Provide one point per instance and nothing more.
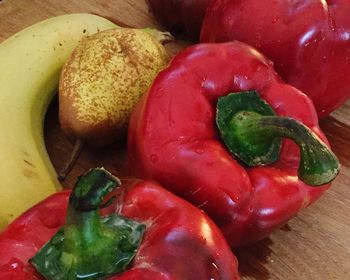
(179, 241)
(308, 41)
(174, 138)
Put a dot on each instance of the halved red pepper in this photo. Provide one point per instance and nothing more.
(180, 135)
(179, 241)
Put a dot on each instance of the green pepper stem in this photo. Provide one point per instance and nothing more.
(253, 133)
(90, 246)
(318, 164)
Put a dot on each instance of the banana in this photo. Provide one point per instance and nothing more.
(30, 65)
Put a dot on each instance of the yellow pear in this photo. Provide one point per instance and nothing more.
(103, 80)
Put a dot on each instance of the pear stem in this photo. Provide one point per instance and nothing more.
(78, 147)
(163, 37)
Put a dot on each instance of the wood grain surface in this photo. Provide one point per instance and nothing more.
(314, 245)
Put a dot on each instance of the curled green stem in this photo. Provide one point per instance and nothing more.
(253, 133)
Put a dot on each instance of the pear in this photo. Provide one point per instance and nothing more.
(103, 80)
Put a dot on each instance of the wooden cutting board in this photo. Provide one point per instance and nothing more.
(314, 245)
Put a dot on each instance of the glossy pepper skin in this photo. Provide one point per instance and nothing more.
(172, 131)
(180, 242)
(180, 16)
(308, 41)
